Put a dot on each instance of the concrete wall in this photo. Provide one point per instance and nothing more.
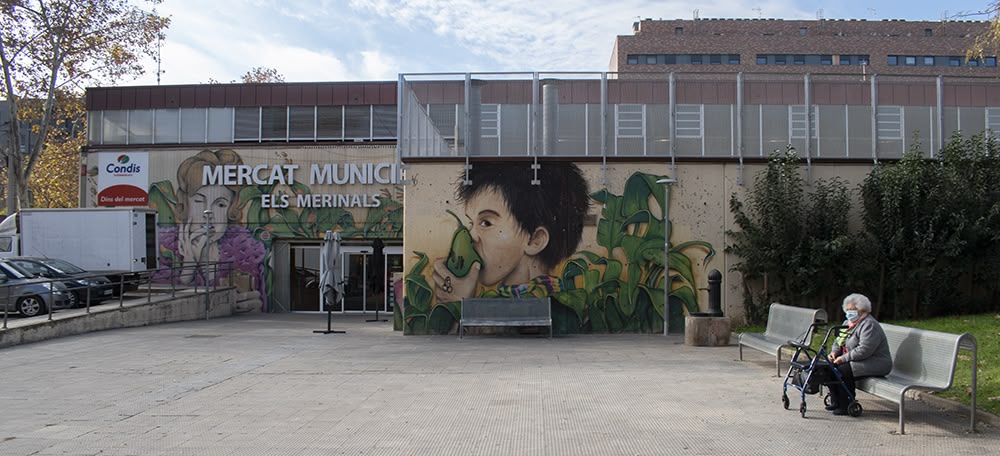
(163, 309)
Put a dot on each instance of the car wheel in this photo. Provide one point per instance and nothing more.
(76, 301)
(30, 306)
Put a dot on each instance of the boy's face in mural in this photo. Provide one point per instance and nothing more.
(506, 249)
(509, 253)
(216, 199)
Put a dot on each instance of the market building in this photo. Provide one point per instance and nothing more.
(553, 176)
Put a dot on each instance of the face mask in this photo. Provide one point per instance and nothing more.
(852, 315)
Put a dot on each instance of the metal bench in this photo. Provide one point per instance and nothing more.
(785, 324)
(505, 312)
(923, 360)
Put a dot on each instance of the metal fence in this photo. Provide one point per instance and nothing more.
(53, 294)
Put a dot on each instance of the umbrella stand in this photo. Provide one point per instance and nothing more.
(329, 319)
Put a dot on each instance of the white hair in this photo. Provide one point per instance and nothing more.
(860, 301)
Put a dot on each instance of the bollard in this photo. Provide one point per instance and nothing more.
(715, 293)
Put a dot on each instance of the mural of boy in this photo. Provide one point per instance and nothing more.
(520, 231)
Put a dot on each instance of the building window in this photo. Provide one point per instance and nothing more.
(826, 59)
(803, 31)
(928, 32)
(689, 121)
(273, 123)
(631, 120)
(715, 59)
(301, 122)
(761, 59)
(247, 124)
(990, 61)
(797, 122)
(696, 59)
(954, 61)
(890, 122)
(633, 59)
(928, 60)
(799, 59)
(779, 59)
(993, 122)
(909, 60)
(845, 60)
(679, 31)
(893, 60)
(734, 59)
(489, 123)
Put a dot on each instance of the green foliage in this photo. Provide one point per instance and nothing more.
(793, 247)
(934, 225)
(622, 289)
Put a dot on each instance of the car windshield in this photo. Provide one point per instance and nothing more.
(31, 267)
(64, 267)
(15, 271)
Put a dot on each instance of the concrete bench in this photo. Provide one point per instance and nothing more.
(505, 312)
(922, 360)
(785, 324)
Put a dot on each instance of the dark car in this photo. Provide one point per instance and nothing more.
(30, 296)
(76, 279)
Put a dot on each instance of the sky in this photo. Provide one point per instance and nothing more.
(367, 40)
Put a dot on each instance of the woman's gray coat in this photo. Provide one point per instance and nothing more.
(867, 349)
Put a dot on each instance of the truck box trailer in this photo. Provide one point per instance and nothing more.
(95, 239)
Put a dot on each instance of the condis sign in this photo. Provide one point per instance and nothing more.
(122, 179)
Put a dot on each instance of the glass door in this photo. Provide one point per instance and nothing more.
(303, 278)
(357, 290)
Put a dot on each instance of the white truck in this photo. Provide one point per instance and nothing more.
(115, 241)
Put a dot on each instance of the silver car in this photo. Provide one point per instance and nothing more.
(30, 296)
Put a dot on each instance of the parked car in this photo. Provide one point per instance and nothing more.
(30, 296)
(76, 279)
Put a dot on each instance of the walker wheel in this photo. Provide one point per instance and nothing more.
(802, 409)
(855, 409)
(784, 401)
(827, 400)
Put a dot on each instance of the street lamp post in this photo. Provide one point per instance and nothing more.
(666, 182)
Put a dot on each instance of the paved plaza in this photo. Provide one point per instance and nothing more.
(265, 384)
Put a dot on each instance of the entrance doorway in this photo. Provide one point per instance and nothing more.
(367, 286)
(368, 282)
(304, 277)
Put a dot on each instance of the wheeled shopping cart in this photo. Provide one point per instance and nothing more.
(811, 370)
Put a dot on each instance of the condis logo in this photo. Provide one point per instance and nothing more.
(123, 167)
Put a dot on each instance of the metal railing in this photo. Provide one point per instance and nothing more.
(56, 294)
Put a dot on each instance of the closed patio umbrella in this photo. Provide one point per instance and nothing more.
(330, 291)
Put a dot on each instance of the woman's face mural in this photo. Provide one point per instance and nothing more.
(211, 203)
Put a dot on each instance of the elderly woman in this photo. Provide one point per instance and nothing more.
(861, 351)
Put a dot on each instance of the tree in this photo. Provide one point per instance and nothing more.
(262, 74)
(256, 75)
(53, 46)
(989, 41)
